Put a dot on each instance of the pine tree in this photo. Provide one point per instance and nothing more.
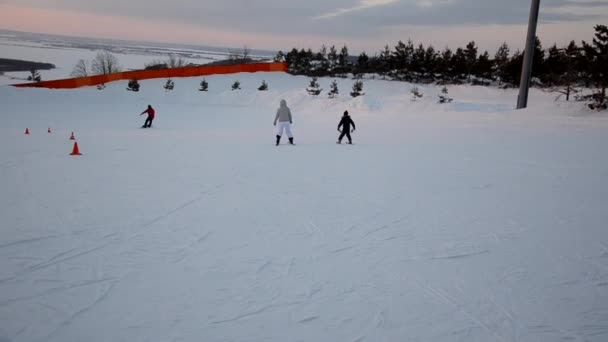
(343, 61)
(362, 64)
(501, 59)
(444, 64)
(512, 72)
(324, 62)
(293, 61)
(357, 89)
(343, 57)
(133, 85)
(169, 85)
(443, 97)
(430, 61)
(280, 57)
(400, 57)
(470, 54)
(304, 59)
(409, 53)
(204, 85)
(538, 64)
(34, 76)
(418, 59)
(597, 55)
(236, 85)
(385, 62)
(323, 52)
(332, 58)
(416, 94)
(333, 92)
(555, 64)
(264, 86)
(572, 61)
(307, 59)
(484, 66)
(313, 87)
(459, 64)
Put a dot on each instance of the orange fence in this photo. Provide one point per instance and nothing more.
(189, 71)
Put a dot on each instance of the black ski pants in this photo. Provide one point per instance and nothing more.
(347, 133)
(148, 122)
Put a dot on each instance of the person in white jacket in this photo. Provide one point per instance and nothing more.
(284, 118)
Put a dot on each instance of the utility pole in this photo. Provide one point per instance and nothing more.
(526, 70)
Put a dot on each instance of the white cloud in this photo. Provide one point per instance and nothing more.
(361, 5)
(432, 3)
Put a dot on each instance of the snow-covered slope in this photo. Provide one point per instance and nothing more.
(459, 222)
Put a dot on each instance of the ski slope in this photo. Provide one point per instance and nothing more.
(460, 222)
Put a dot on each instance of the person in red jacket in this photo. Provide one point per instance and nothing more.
(150, 112)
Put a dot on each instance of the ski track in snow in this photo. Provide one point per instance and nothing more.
(435, 292)
(56, 290)
(459, 256)
(184, 252)
(178, 208)
(256, 312)
(54, 260)
(72, 318)
(26, 241)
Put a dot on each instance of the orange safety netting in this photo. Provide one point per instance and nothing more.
(188, 71)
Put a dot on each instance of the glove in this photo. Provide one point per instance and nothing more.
(291, 123)
(353, 130)
(274, 124)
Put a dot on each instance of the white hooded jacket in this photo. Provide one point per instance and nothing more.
(283, 113)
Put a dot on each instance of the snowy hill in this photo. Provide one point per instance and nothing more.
(459, 222)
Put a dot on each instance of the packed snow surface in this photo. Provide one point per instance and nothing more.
(460, 222)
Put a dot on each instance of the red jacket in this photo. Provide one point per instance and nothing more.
(150, 112)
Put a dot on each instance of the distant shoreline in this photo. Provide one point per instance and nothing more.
(126, 46)
(12, 65)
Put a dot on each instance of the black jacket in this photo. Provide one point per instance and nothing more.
(345, 123)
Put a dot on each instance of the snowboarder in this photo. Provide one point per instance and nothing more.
(345, 123)
(150, 112)
(284, 118)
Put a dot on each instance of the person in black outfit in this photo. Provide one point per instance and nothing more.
(345, 123)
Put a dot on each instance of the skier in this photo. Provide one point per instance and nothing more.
(345, 123)
(284, 118)
(150, 112)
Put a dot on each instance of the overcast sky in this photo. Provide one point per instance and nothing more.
(363, 25)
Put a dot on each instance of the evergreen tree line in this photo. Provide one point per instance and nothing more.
(583, 65)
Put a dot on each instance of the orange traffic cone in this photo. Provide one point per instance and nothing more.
(72, 136)
(27, 131)
(75, 151)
